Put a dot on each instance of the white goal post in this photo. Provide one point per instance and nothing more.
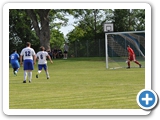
(123, 35)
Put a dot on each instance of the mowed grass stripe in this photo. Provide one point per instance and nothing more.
(80, 102)
(77, 83)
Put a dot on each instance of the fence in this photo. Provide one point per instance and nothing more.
(87, 48)
(92, 48)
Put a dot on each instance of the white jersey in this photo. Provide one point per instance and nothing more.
(66, 47)
(42, 56)
(27, 53)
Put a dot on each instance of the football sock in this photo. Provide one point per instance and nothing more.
(30, 75)
(137, 62)
(39, 71)
(47, 74)
(17, 69)
(25, 75)
(128, 64)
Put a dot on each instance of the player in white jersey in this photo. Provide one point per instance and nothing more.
(42, 62)
(29, 59)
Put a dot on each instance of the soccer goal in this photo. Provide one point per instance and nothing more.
(116, 48)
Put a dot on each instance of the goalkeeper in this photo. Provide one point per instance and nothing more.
(132, 57)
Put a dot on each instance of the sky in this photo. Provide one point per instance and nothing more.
(65, 30)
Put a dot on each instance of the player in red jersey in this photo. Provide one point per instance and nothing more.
(131, 57)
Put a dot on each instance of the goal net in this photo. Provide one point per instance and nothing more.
(116, 48)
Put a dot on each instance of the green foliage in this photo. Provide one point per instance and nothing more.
(23, 30)
(139, 19)
(58, 18)
(20, 29)
(129, 20)
(57, 39)
(76, 35)
(88, 25)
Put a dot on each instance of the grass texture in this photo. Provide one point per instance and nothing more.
(77, 83)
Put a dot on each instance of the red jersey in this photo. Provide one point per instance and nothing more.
(130, 51)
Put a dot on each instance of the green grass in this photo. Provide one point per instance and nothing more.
(77, 83)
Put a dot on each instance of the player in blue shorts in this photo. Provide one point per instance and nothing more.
(14, 60)
(42, 62)
(29, 59)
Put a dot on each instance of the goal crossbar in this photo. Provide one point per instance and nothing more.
(124, 32)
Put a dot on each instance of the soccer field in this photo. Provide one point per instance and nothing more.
(77, 83)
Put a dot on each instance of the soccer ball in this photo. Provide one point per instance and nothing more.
(126, 61)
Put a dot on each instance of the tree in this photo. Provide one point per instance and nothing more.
(121, 20)
(89, 26)
(90, 20)
(40, 27)
(43, 21)
(128, 19)
(40, 21)
(57, 39)
(20, 30)
(139, 19)
(88, 29)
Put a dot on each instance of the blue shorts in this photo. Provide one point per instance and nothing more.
(28, 65)
(15, 65)
(40, 66)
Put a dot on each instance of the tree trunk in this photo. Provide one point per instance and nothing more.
(42, 28)
(44, 39)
